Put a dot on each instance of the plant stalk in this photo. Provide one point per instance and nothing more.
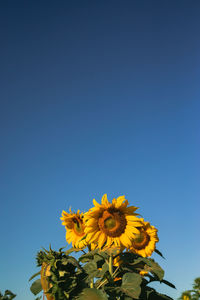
(111, 265)
(91, 284)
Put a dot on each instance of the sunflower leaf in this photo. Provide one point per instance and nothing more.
(72, 250)
(8, 293)
(36, 287)
(159, 253)
(153, 295)
(74, 262)
(154, 268)
(88, 256)
(34, 275)
(168, 283)
(92, 294)
(105, 268)
(91, 269)
(131, 285)
(102, 254)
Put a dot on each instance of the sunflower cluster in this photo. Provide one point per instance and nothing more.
(110, 225)
(116, 263)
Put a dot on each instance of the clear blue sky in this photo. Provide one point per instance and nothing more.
(98, 97)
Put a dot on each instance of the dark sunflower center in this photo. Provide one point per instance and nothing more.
(141, 240)
(112, 223)
(78, 226)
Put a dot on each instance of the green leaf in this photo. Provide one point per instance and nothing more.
(155, 268)
(168, 283)
(92, 294)
(73, 261)
(36, 287)
(33, 276)
(91, 269)
(10, 294)
(88, 256)
(105, 268)
(72, 250)
(103, 254)
(131, 285)
(157, 296)
(98, 257)
(159, 253)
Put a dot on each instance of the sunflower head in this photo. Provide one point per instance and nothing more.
(74, 225)
(111, 224)
(145, 241)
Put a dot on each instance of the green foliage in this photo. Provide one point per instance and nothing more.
(8, 295)
(36, 287)
(193, 294)
(127, 286)
(92, 294)
(93, 276)
(67, 276)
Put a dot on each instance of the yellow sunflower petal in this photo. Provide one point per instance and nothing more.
(96, 203)
(90, 229)
(119, 201)
(112, 224)
(104, 200)
(90, 237)
(144, 242)
(101, 240)
(125, 240)
(74, 226)
(91, 222)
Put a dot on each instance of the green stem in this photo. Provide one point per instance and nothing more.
(111, 265)
(115, 271)
(102, 283)
(91, 284)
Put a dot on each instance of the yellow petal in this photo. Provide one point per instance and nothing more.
(96, 203)
(101, 240)
(132, 229)
(90, 229)
(119, 201)
(104, 200)
(114, 202)
(117, 242)
(91, 222)
(133, 219)
(96, 236)
(131, 209)
(125, 240)
(90, 237)
(109, 241)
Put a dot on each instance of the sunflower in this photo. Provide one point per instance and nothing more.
(74, 225)
(112, 224)
(144, 243)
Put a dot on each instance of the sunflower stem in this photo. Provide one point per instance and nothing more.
(111, 265)
(116, 271)
(91, 284)
(102, 283)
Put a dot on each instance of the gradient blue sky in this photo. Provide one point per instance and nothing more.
(98, 97)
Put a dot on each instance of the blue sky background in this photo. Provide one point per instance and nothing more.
(98, 97)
